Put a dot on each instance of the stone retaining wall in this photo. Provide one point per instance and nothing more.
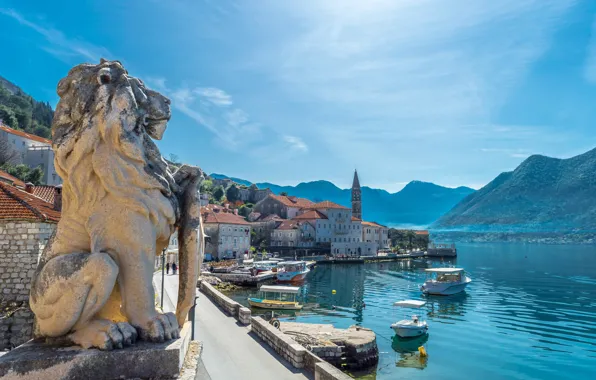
(21, 243)
(325, 371)
(285, 346)
(231, 307)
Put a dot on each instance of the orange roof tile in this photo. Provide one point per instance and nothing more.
(216, 215)
(288, 225)
(291, 201)
(25, 135)
(328, 204)
(45, 192)
(354, 219)
(310, 215)
(422, 232)
(5, 177)
(372, 224)
(17, 204)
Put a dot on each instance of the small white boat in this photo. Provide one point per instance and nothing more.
(409, 328)
(292, 271)
(445, 281)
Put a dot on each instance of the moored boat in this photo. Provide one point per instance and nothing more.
(445, 281)
(263, 266)
(292, 271)
(276, 297)
(409, 328)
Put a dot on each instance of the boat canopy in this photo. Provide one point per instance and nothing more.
(280, 289)
(444, 270)
(264, 262)
(410, 303)
(291, 262)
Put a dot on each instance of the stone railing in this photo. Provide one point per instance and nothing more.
(294, 353)
(229, 306)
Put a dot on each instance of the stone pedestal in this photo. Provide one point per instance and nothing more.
(39, 361)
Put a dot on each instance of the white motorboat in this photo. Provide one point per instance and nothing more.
(409, 328)
(445, 281)
(292, 271)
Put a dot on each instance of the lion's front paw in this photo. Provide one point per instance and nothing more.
(161, 327)
(105, 335)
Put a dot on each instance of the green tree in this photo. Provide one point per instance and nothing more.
(284, 193)
(8, 117)
(233, 194)
(206, 186)
(34, 176)
(218, 193)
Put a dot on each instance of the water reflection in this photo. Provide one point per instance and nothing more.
(407, 351)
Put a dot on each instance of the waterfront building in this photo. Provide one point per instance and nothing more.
(33, 151)
(287, 207)
(376, 233)
(228, 233)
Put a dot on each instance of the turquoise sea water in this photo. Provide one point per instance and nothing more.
(530, 313)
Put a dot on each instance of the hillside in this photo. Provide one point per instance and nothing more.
(20, 111)
(542, 194)
(419, 203)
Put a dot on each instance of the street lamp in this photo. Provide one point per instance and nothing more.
(163, 268)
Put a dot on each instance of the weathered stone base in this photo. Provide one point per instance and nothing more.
(38, 361)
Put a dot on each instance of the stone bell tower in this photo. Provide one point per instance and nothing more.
(356, 197)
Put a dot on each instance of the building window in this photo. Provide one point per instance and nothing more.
(23, 143)
(335, 240)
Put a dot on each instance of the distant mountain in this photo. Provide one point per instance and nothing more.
(419, 203)
(542, 194)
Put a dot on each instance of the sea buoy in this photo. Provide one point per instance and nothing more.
(333, 291)
(422, 351)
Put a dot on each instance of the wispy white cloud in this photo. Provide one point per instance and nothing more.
(59, 45)
(232, 127)
(515, 153)
(296, 143)
(215, 95)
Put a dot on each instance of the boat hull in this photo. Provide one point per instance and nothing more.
(291, 276)
(409, 331)
(444, 288)
(277, 305)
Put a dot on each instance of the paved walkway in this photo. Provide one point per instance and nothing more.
(230, 351)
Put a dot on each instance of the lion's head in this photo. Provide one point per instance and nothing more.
(102, 135)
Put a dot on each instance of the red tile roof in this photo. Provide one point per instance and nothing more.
(422, 232)
(288, 225)
(327, 205)
(310, 215)
(17, 204)
(25, 135)
(372, 224)
(217, 214)
(5, 177)
(291, 201)
(354, 219)
(45, 192)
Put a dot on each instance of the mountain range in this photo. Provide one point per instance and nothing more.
(542, 194)
(417, 204)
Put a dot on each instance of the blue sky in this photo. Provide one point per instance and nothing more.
(451, 92)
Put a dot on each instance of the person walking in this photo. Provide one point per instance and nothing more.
(168, 268)
(174, 267)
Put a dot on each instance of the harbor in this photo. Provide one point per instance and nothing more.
(504, 309)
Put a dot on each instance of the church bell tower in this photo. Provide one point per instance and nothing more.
(356, 197)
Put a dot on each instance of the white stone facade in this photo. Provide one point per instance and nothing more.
(375, 233)
(227, 240)
(33, 154)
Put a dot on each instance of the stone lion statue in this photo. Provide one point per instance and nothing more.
(93, 284)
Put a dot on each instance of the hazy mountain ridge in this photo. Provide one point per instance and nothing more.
(419, 203)
(541, 194)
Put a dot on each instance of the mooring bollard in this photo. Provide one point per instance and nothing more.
(191, 316)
